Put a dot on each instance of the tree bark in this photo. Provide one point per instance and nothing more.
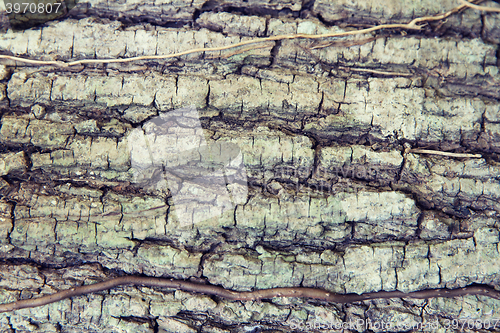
(321, 187)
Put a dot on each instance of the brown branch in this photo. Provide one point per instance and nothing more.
(312, 293)
(415, 24)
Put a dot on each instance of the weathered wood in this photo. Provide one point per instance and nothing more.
(333, 198)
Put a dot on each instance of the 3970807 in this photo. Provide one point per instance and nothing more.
(33, 8)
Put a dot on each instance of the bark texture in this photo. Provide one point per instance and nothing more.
(333, 200)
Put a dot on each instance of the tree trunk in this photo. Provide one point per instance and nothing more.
(289, 164)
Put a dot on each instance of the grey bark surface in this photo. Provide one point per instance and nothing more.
(334, 201)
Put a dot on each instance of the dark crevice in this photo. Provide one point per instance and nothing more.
(215, 7)
(152, 323)
(275, 53)
(13, 219)
(497, 54)
(21, 261)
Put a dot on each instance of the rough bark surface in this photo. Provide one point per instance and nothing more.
(333, 201)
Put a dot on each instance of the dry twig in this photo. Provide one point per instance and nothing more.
(415, 24)
(483, 8)
(442, 153)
